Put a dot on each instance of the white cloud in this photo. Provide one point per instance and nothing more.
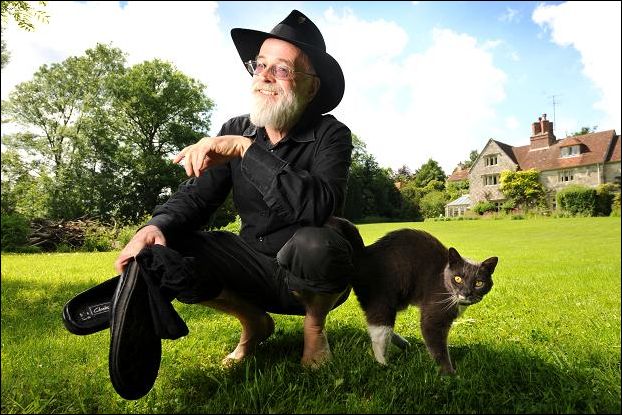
(510, 15)
(512, 123)
(436, 104)
(593, 29)
(439, 103)
(187, 34)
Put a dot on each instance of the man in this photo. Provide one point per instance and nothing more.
(287, 165)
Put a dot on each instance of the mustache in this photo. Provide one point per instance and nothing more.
(268, 87)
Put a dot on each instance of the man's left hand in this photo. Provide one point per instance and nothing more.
(212, 151)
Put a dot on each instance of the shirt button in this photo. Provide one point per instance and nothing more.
(261, 239)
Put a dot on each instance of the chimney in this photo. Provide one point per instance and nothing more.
(542, 134)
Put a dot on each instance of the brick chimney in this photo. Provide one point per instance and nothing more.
(542, 134)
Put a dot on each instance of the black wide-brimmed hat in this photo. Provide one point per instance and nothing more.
(298, 30)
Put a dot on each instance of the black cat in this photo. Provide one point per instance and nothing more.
(411, 267)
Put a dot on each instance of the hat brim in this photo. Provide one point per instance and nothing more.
(248, 42)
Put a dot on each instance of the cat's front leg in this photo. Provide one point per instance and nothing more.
(435, 330)
(380, 339)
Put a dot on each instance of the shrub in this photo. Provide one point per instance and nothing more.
(433, 204)
(578, 200)
(605, 194)
(98, 239)
(15, 231)
(483, 206)
(615, 205)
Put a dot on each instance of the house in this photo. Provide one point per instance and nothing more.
(589, 159)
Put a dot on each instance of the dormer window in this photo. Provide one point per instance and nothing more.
(570, 151)
(491, 160)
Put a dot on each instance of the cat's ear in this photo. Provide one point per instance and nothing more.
(490, 264)
(454, 257)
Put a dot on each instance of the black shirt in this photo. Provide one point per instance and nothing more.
(300, 181)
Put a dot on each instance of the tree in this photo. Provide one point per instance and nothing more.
(104, 133)
(403, 175)
(429, 171)
(473, 155)
(433, 204)
(6, 55)
(371, 191)
(63, 107)
(161, 111)
(22, 12)
(585, 130)
(523, 188)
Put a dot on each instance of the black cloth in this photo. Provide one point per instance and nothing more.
(298, 182)
(167, 275)
(315, 259)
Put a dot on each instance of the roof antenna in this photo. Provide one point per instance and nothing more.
(554, 107)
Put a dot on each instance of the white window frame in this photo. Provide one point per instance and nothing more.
(491, 180)
(565, 176)
(570, 151)
(491, 160)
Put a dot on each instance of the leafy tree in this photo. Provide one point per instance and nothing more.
(161, 110)
(104, 133)
(473, 155)
(523, 187)
(23, 13)
(456, 189)
(404, 175)
(429, 171)
(65, 107)
(6, 55)
(411, 199)
(371, 190)
(433, 204)
(585, 130)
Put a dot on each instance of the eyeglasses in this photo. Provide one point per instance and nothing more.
(278, 71)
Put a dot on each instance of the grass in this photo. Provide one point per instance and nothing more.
(546, 339)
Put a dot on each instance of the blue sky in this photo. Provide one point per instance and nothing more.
(423, 79)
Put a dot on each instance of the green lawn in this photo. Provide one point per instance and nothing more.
(546, 339)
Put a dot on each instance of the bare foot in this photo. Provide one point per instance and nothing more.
(316, 348)
(253, 333)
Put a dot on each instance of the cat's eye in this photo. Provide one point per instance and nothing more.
(458, 279)
(479, 284)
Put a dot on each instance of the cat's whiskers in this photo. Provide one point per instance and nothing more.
(451, 301)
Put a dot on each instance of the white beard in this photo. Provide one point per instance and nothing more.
(281, 115)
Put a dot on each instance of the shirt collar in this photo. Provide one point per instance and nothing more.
(300, 133)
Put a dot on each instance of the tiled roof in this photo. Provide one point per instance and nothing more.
(569, 141)
(507, 149)
(458, 174)
(595, 149)
(615, 150)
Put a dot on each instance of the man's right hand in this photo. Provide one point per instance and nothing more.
(149, 235)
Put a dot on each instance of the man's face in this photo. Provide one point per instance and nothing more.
(278, 103)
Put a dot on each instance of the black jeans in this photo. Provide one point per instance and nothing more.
(314, 259)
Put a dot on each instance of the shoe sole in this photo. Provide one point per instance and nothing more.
(135, 349)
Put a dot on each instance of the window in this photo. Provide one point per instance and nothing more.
(491, 160)
(491, 179)
(570, 151)
(565, 176)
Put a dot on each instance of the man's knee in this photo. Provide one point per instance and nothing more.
(317, 259)
(313, 246)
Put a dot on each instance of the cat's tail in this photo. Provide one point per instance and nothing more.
(350, 232)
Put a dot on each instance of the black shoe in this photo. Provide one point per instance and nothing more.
(135, 349)
(89, 311)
